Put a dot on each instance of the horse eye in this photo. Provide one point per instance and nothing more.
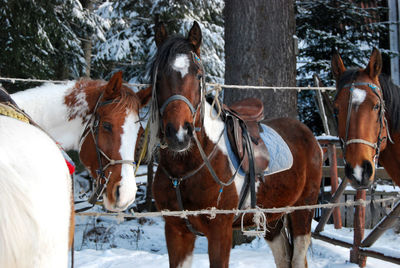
(199, 76)
(107, 126)
(376, 107)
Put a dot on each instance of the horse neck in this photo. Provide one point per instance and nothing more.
(46, 106)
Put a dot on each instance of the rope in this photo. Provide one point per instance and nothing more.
(214, 85)
(213, 211)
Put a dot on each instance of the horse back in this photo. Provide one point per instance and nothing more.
(300, 184)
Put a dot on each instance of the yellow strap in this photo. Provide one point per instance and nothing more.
(144, 149)
(10, 112)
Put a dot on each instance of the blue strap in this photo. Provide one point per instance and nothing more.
(372, 86)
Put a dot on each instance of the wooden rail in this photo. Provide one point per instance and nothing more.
(358, 250)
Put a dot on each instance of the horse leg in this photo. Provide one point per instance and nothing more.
(279, 243)
(300, 229)
(180, 243)
(219, 238)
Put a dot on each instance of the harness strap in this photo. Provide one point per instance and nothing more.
(180, 204)
(373, 145)
(175, 98)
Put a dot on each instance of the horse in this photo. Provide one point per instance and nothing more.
(185, 125)
(98, 119)
(35, 198)
(367, 108)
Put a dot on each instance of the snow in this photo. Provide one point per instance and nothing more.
(111, 242)
(143, 245)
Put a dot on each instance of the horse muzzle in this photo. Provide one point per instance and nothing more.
(178, 140)
(361, 177)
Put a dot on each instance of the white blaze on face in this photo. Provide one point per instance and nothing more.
(357, 173)
(358, 96)
(127, 190)
(180, 135)
(181, 64)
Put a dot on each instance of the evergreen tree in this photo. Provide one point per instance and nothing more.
(130, 34)
(40, 39)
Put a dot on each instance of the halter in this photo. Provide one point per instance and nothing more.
(92, 127)
(179, 97)
(382, 120)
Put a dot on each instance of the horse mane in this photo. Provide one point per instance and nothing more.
(167, 52)
(390, 91)
(126, 100)
(161, 62)
(391, 96)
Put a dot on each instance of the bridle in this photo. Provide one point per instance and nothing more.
(382, 120)
(92, 127)
(179, 97)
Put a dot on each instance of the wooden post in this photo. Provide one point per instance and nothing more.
(386, 223)
(359, 228)
(335, 199)
(337, 219)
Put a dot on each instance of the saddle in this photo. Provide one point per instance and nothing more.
(242, 118)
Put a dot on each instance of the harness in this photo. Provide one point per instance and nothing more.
(382, 119)
(101, 180)
(176, 181)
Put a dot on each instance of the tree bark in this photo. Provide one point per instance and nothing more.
(87, 42)
(260, 50)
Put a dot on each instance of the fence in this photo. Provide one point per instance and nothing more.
(357, 253)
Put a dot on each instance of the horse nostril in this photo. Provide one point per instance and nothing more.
(170, 130)
(348, 171)
(367, 171)
(117, 193)
(189, 129)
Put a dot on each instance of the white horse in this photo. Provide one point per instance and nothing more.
(35, 198)
(99, 117)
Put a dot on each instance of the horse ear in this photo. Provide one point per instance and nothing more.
(160, 34)
(337, 65)
(195, 37)
(113, 87)
(374, 66)
(144, 96)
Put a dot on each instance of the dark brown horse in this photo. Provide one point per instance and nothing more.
(178, 73)
(367, 104)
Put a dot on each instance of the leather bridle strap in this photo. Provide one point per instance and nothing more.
(92, 128)
(176, 98)
(376, 145)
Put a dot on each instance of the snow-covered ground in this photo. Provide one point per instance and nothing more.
(109, 242)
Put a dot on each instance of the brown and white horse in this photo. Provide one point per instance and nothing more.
(367, 104)
(177, 72)
(100, 120)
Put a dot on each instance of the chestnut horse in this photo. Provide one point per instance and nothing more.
(101, 121)
(35, 198)
(177, 122)
(367, 105)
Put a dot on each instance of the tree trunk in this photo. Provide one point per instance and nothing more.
(87, 42)
(260, 50)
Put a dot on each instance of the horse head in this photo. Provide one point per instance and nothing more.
(177, 79)
(107, 145)
(360, 113)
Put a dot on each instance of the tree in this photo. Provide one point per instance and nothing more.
(40, 39)
(130, 36)
(260, 51)
(324, 25)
